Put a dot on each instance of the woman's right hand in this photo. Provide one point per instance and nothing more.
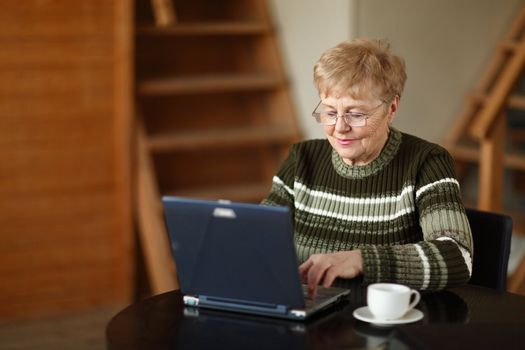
(326, 268)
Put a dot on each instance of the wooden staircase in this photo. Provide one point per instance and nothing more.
(214, 114)
(489, 136)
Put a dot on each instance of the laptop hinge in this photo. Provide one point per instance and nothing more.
(240, 305)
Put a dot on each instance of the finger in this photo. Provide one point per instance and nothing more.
(305, 266)
(335, 272)
(330, 275)
(303, 270)
(315, 274)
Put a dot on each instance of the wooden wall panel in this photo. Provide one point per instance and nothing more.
(65, 184)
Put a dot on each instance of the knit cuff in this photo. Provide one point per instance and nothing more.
(396, 264)
(375, 267)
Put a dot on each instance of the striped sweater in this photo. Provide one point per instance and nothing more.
(403, 210)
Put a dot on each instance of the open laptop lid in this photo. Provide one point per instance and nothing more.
(234, 253)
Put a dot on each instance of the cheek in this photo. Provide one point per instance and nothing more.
(365, 133)
(374, 125)
(368, 135)
(377, 127)
(329, 129)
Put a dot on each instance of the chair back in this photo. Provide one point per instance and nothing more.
(491, 234)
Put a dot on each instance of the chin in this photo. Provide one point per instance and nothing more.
(348, 157)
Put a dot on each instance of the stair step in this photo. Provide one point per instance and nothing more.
(206, 84)
(508, 45)
(516, 136)
(205, 28)
(501, 89)
(470, 154)
(189, 140)
(243, 192)
(514, 101)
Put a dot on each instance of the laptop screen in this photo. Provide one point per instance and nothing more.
(235, 251)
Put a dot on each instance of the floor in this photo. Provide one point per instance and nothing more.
(79, 331)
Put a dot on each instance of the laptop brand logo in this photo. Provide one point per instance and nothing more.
(224, 213)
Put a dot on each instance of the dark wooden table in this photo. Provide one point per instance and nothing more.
(468, 317)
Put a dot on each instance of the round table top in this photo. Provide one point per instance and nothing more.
(162, 321)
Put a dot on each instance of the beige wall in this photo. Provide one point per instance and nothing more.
(307, 28)
(446, 45)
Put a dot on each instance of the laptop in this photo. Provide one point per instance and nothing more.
(240, 257)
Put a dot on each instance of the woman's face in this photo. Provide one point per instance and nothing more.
(359, 145)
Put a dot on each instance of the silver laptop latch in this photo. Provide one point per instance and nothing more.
(298, 313)
(189, 300)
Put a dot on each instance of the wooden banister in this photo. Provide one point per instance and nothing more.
(500, 92)
(164, 12)
(153, 237)
(492, 168)
(479, 134)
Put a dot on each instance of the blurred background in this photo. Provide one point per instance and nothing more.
(106, 105)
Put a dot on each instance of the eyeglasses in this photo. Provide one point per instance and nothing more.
(350, 118)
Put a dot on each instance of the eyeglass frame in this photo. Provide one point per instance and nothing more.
(317, 115)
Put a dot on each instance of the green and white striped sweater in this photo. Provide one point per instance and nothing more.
(403, 210)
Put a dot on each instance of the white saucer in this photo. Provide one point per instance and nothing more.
(364, 314)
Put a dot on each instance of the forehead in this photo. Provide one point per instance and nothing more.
(348, 101)
(359, 95)
(364, 91)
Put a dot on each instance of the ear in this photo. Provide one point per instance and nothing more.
(392, 109)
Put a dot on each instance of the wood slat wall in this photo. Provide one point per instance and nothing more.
(65, 185)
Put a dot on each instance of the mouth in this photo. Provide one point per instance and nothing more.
(346, 142)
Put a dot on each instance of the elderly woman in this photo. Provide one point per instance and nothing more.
(369, 200)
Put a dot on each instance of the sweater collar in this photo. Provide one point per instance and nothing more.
(360, 171)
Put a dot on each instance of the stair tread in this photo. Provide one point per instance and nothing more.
(242, 192)
(201, 138)
(206, 28)
(512, 160)
(220, 82)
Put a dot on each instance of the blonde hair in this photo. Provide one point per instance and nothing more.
(359, 66)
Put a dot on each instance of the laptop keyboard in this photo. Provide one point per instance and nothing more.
(321, 296)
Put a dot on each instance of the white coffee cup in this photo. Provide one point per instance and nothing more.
(390, 301)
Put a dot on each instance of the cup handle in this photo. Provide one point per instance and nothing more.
(417, 297)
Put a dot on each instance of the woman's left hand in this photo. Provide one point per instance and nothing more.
(327, 267)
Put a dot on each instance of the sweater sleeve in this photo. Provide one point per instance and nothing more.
(282, 183)
(444, 257)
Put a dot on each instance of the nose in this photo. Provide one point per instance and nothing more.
(341, 125)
